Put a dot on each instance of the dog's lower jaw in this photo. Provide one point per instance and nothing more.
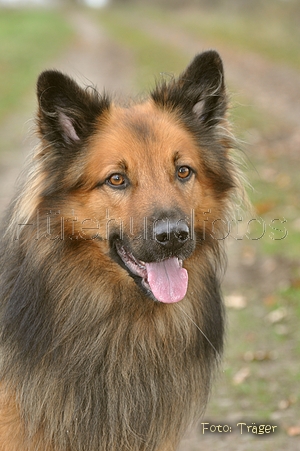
(164, 280)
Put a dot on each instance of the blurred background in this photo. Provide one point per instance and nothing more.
(125, 46)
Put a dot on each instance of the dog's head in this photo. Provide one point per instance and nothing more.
(139, 179)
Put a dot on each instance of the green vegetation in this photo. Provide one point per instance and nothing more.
(28, 40)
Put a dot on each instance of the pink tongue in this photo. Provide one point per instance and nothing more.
(167, 280)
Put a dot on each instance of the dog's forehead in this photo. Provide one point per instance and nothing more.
(141, 123)
(143, 131)
(147, 123)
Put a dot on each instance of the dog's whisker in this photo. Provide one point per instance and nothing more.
(204, 335)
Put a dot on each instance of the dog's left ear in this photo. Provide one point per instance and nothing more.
(200, 90)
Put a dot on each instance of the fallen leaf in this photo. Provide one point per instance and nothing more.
(293, 431)
(286, 403)
(235, 301)
(264, 207)
(241, 375)
(283, 404)
(270, 300)
(259, 356)
(295, 283)
(277, 315)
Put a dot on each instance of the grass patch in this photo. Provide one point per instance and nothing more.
(152, 57)
(278, 41)
(273, 345)
(276, 183)
(271, 30)
(28, 39)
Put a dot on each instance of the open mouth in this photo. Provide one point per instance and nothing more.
(166, 280)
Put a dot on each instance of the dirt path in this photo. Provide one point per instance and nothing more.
(95, 59)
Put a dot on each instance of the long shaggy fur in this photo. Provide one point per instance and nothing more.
(88, 361)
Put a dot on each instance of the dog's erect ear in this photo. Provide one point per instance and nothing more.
(67, 113)
(199, 90)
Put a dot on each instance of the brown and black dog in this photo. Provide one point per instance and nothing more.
(111, 317)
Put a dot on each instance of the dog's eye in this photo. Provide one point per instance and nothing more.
(184, 173)
(117, 181)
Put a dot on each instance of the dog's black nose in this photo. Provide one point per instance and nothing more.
(170, 233)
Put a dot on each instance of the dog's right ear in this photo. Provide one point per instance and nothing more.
(67, 113)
